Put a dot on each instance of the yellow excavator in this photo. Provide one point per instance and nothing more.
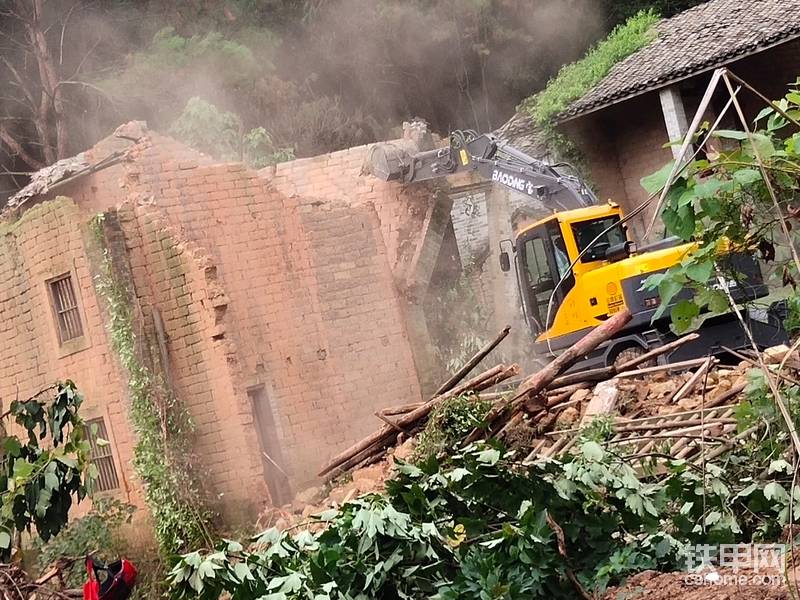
(578, 266)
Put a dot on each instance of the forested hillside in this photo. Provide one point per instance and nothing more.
(265, 80)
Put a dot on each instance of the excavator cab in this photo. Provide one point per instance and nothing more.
(546, 250)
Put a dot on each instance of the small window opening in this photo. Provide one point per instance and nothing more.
(101, 456)
(65, 307)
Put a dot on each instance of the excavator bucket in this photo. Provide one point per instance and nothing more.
(387, 161)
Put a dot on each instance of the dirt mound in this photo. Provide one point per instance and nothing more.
(314, 500)
(721, 585)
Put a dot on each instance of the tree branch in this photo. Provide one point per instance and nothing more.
(18, 150)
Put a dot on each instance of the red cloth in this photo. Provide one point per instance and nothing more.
(91, 589)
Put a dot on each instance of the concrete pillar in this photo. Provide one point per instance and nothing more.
(505, 306)
(674, 115)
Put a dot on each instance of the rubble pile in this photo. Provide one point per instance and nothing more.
(676, 410)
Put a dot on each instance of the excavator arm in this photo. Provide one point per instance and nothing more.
(489, 157)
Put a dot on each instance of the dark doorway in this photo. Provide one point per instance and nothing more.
(271, 455)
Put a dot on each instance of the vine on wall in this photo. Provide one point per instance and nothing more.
(159, 421)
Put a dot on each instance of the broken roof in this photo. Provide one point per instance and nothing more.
(701, 38)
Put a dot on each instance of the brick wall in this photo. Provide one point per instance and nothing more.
(312, 313)
(48, 241)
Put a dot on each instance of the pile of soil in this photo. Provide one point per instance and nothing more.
(724, 585)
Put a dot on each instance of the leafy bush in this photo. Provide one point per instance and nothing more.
(577, 78)
(449, 423)
(96, 532)
(204, 127)
(722, 202)
(38, 484)
(484, 526)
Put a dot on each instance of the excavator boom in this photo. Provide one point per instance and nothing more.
(490, 158)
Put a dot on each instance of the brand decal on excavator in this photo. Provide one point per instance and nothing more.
(512, 181)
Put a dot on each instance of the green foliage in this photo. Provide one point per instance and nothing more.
(97, 533)
(39, 484)
(449, 423)
(160, 424)
(722, 203)
(482, 525)
(575, 79)
(159, 68)
(204, 127)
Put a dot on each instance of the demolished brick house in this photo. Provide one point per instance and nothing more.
(283, 305)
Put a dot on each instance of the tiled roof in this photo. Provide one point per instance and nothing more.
(703, 37)
(522, 133)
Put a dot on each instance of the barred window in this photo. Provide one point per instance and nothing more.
(65, 307)
(101, 456)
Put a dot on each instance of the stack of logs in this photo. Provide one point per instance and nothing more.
(373, 447)
(539, 398)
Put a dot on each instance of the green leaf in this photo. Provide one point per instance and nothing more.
(667, 290)
(730, 134)
(489, 456)
(747, 491)
(699, 271)
(23, 469)
(592, 451)
(680, 221)
(656, 181)
(763, 144)
(683, 315)
(68, 461)
(775, 491)
(5, 539)
(765, 112)
(242, 572)
(779, 466)
(12, 446)
(747, 176)
(708, 187)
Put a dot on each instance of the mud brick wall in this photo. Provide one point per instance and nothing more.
(280, 316)
(304, 305)
(48, 241)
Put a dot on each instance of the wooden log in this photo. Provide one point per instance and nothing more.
(391, 423)
(603, 373)
(393, 411)
(472, 362)
(674, 424)
(687, 387)
(567, 390)
(678, 366)
(724, 397)
(598, 374)
(656, 352)
(658, 418)
(380, 439)
(538, 381)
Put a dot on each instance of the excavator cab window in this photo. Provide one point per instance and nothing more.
(545, 262)
(586, 231)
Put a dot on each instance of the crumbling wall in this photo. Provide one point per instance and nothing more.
(312, 315)
(284, 314)
(412, 222)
